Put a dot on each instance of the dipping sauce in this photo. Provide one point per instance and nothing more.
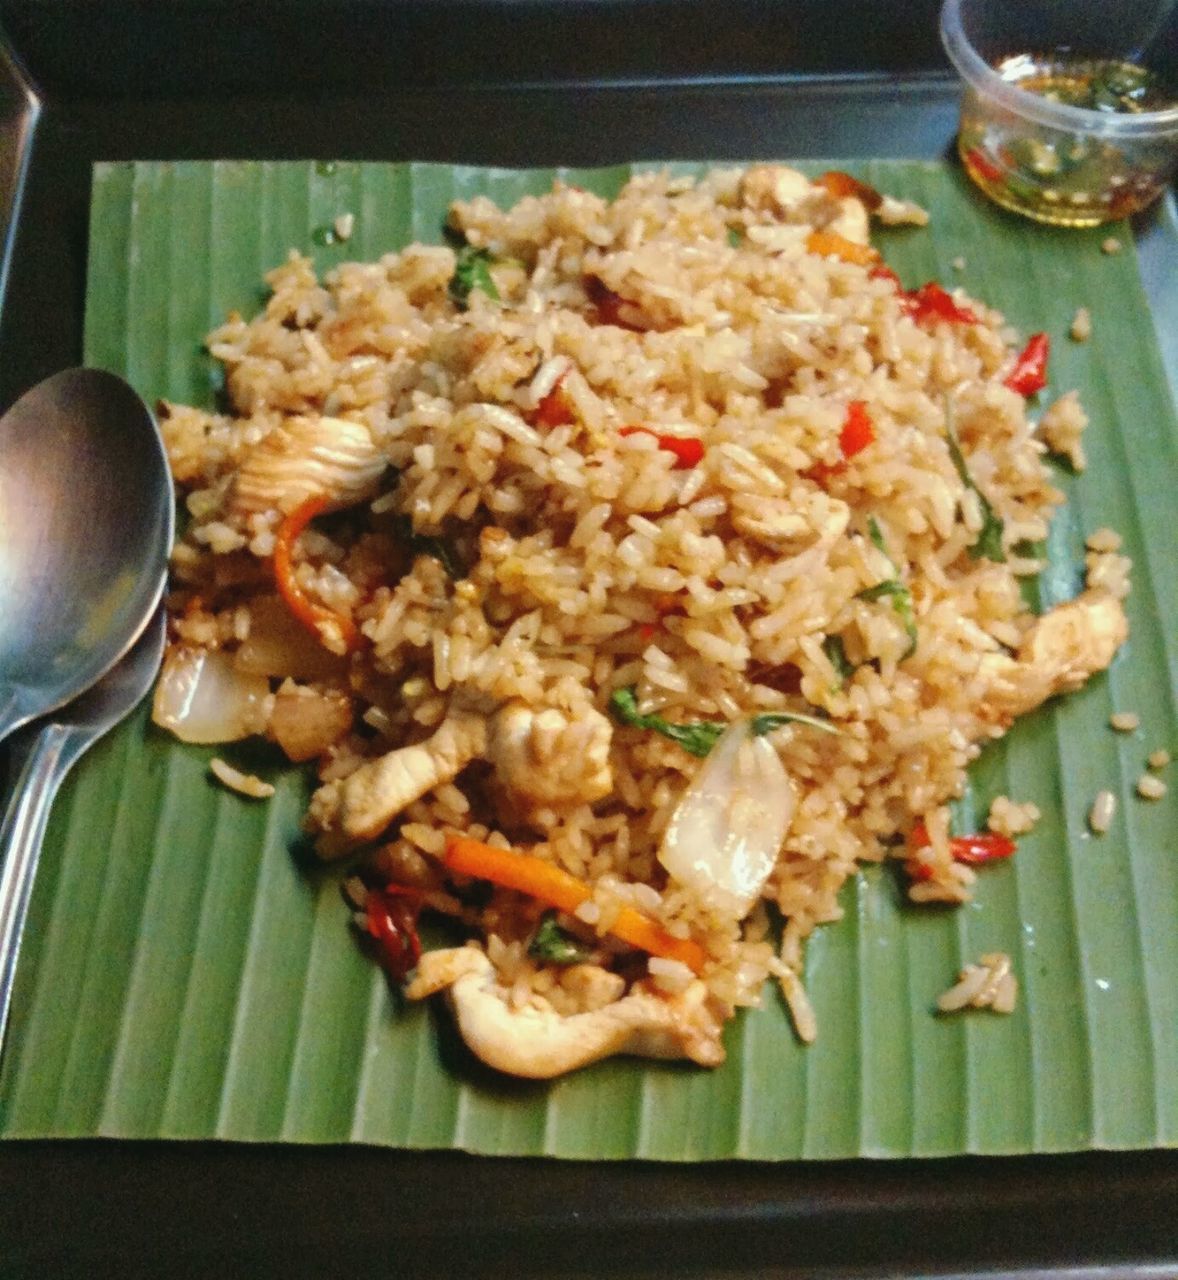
(1071, 177)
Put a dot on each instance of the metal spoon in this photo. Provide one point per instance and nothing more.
(85, 526)
(46, 751)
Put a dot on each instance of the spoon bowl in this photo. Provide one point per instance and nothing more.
(86, 521)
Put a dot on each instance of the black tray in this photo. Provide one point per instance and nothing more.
(501, 82)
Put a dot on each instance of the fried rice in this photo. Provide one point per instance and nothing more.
(510, 535)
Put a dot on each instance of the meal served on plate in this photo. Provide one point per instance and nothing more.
(632, 570)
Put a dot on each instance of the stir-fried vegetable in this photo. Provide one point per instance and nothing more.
(857, 433)
(836, 652)
(989, 543)
(391, 915)
(892, 589)
(336, 630)
(980, 847)
(858, 430)
(931, 303)
(202, 697)
(554, 945)
(724, 837)
(688, 450)
(1030, 369)
(551, 884)
(883, 272)
(472, 270)
(829, 244)
(555, 409)
(699, 736)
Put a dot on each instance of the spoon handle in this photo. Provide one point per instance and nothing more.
(52, 753)
(10, 715)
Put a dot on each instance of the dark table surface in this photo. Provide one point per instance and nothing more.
(495, 82)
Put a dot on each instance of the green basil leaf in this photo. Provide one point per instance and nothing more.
(893, 589)
(698, 737)
(836, 651)
(472, 270)
(554, 945)
(770, 720)
(989, 543)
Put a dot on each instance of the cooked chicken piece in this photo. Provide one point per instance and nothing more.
(592, 985)
(366, 801)
(541, 758)
(791, 196)
(851, 222)
(538, 1043)
(897, 213)
(775, 186)
(550, 757)
(1065, 647)
(306, 458)
(781, 525)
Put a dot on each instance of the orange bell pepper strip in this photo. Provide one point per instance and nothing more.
(556, 887)
(829, 244)
(316, 617)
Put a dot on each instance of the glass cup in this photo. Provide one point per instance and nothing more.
(1028, 65)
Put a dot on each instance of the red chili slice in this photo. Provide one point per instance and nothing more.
(983, 846)
(1030, 369)
(857, 433)
(983, 165)
(881, 272)
(932, 302)
(858, 430)
(392, 920)
(555, 409)
(688, 450)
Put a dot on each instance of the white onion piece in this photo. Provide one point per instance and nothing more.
(201, 697)
(724, 837)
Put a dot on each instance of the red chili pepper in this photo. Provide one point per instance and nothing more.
(881, 272)
(688, 450)
(977, 160)
(392, 920)
(983, 846)
(1030, 369)
(555, 409)
(858, 430)
(931, 302)
(857, 433)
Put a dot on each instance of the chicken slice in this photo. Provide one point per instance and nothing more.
(1067, 645)
(551, 757)
(308, 457)
(361, 805)
(539, 1043)
(792, 197)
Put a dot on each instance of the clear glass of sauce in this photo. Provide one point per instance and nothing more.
(1070, 108)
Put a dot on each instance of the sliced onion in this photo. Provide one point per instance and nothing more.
(201, 697)
(724, 837)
